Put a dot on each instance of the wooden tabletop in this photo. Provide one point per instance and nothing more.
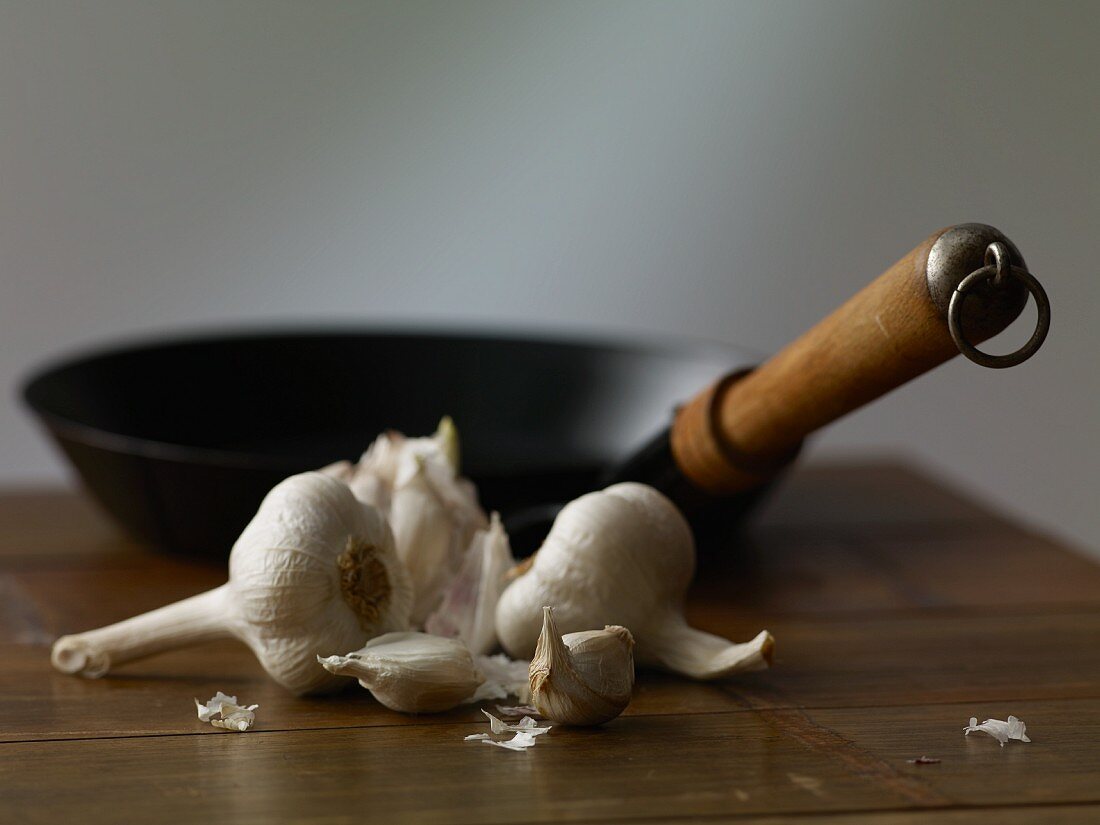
(900, 609)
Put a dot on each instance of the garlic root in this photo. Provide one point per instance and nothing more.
(584, 678)
(678, 647)
(198, 619)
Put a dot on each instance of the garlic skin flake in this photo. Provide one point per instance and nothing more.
(622, 555)
(585, 678)
(520, 742)
(314, 570)
(412, 672)
(1002, 731)
(527, 724)
(233, 716)
(503, 678)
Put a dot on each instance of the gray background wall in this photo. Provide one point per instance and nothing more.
(727, 170)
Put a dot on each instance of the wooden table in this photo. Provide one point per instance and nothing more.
(900, 609)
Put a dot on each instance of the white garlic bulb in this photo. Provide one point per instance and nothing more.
(583, 678)
(433, 511)
(412, 672)
(315, 570)
(625, 555)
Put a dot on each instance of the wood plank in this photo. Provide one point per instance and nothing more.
(735, 762)
(876, 494)
(1059, 765)
(926, 661)
(48, 522)
(839, 664)
(978, 815)
(785, 574)
(79, 595)
(635, 767)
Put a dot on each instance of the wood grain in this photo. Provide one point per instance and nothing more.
(730, 436)
(747, 426)
(895, 624)
(765, 762)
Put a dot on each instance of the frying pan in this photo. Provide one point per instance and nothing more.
(180, 440)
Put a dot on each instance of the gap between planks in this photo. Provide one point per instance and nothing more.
(902, 816)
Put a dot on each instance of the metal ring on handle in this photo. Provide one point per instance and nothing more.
(997, 267)
(996, 254)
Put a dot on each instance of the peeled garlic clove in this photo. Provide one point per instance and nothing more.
(411, 672)
(626, 555)
(423, 534)
(584, 678)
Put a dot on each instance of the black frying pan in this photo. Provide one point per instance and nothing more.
(181, 440)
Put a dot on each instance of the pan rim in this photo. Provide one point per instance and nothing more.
(62, 426)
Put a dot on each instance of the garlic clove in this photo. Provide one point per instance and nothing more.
(423, 533)
(411, 672)
(468, 607)
(585, 678)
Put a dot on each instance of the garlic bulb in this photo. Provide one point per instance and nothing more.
(468, 608)
(314, 570)
(582, 678)
(624, 555)
(433, 511)
(412, 672)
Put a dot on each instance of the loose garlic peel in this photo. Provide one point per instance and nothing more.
(622, 555)
(412, 672)
(314, 570)
(468, 608)
(582, 678)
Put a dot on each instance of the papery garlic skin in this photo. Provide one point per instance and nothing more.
(584, 678)
(468, 608)
(412, 672)
(622, 555)
(314, 570)
(1002, 731)
(222, 711)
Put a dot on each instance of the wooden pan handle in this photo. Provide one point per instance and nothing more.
(734, 435)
